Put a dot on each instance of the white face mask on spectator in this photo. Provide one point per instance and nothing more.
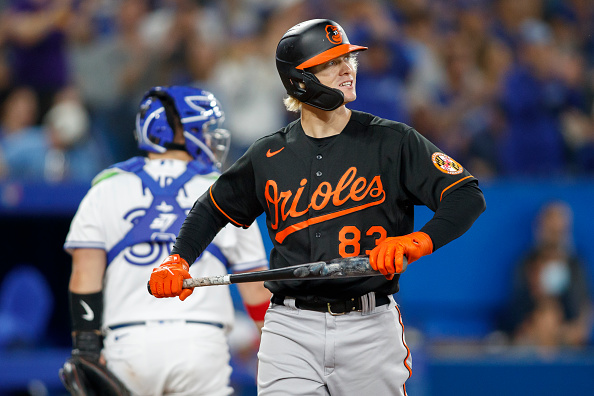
(69, 121)
(554, 277)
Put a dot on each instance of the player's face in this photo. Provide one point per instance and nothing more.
(339, 73)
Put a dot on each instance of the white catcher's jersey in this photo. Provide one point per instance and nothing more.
(108, 214)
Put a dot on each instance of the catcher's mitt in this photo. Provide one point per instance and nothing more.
(87, 377)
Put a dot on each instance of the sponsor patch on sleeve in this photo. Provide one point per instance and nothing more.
(446, 164)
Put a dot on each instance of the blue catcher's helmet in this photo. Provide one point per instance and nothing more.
(200, 115)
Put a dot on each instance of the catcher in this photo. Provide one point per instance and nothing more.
(125, 226)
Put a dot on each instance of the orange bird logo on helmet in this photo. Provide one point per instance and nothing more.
(333, 34)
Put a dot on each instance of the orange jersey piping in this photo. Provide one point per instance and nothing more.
(452, 185)
(222, 211)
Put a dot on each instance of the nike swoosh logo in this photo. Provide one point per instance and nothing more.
(89, 315)
(120, 336)
(273, 153)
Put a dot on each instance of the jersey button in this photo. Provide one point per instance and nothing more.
(319, 156)
(318, 173)
(318, 235)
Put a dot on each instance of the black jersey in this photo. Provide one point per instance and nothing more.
(337, 199)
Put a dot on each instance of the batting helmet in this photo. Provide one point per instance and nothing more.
(198, 112)
(309, 44)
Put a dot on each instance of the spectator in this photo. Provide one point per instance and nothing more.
(186, 36)
(381, 92)
(252, 111)
(18, 134)
(61, 149)
(550, 304)
(535, 94)
(36, 38)
(71, 153)
(579, 134)
(495, 59)
(112, 72)
(382, 73)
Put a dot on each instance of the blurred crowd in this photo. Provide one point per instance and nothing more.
(504, 86)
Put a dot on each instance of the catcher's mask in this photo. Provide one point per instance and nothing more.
(309, 44)
(200, 115)
(86, 377)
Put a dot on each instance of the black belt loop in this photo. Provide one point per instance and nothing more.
(144, 323)
(340, 307)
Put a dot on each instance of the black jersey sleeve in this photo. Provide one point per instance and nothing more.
(428, 174)
(202, 224)
(455, 215)
(234, 193)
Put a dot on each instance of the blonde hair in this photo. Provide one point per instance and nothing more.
(292, 104)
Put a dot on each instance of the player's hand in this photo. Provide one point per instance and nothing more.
(387, 256)
(167, 279)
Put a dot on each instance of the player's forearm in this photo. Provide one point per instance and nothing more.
(256, 299)
(455, 215)
(88, 267)
(199, 229)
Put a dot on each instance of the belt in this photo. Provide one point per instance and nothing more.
(335, 308)
(144, 323)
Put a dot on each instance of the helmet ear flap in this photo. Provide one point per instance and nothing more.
(320, 95)
(305, 87)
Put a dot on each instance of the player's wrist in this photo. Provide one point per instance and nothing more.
(87, 343)
(177, 261)
(86, 311)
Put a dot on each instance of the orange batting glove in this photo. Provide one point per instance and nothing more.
(387, 256)
(167, 279)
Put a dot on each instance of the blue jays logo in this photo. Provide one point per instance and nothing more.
(153, 232)
(162, 223)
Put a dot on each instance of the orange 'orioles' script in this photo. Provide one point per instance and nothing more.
(350, 188)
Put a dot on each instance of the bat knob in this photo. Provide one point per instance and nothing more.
(148, 286)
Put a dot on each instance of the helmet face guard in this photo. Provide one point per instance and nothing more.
(309, 44)
(198, 112)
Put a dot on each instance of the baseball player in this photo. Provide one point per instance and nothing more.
(126, 225)
(334, 183)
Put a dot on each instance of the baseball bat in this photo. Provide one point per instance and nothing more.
(347, 267)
